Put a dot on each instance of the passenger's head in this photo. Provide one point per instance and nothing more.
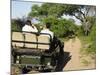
(48, 25)
(28, 22)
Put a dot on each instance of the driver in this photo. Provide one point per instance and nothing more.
(46, 29)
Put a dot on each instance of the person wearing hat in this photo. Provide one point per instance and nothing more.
(28, 27)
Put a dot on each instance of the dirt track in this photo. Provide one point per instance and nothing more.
(75, 63)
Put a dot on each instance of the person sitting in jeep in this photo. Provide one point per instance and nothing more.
(46, 29)
(28, 27)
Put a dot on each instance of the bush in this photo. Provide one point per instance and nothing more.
(15, 26)
(90, 40)
(61, 27)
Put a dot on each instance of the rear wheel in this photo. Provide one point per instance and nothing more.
(54, 62)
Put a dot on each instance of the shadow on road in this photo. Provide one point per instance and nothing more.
(62, 61)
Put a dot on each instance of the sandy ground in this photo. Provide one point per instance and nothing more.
(75, 63)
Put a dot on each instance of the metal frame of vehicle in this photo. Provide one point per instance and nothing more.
(52, 52)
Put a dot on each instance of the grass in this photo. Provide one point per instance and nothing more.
(64, 39)
(88, 49)
(67, 38)
(88, 45)
(85, 62)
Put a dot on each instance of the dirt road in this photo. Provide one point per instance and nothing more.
(75, 63)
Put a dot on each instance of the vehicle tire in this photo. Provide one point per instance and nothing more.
(54, 60)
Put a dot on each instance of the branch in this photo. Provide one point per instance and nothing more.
(78, 18)
(87, 11)
(82, 13)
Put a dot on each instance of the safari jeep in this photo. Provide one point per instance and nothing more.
(35, 50)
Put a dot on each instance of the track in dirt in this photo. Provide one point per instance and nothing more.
(73, 46)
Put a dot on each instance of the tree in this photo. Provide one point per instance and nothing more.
(14, 26)
(61, 27)
(17, 24)
(35, 11)
(47, 9)
(81, 12)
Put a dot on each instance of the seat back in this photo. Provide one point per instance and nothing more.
(30, 40)
(43, 42)
(17, 38)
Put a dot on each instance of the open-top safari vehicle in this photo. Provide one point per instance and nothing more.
(34, 49)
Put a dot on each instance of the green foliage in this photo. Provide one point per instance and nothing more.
(86, 62)
(61, 27)
(90, 41)
(52, 13)
(47, 9)
(35, 11)
(80, 31)
(15, 26)
(55, 10)
(93, 39)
